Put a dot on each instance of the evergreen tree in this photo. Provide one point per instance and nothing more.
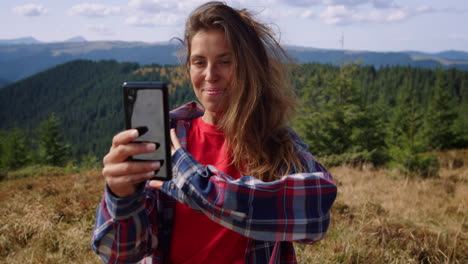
(404, 137)
(334, 121)
(15, 149)
(52, 147)
(440, 116)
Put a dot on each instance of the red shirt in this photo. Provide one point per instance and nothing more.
(195, 238)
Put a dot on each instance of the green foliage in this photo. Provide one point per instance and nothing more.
(87, 98)
(351, 114)
(34, 170)
(52, 147)
(90, 161)
(15, 149)
(334, 121)
(410, 164)
(394, 115)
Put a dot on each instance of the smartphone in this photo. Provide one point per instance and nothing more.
(146, 105)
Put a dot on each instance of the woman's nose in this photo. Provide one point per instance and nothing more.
(211, 73)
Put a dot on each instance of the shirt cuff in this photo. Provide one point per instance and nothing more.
(122, 208)
(184, 168)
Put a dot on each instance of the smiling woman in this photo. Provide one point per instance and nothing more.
(211, 72)
(244, 187)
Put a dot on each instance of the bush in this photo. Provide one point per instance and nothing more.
(425, 165)
(356, 159)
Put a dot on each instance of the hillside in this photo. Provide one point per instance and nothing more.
(378, 217)
(23, 60)
(24, 40)
(18, 61)
(87, 97)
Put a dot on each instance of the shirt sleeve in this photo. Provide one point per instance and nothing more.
(125, 228)
(294, 208)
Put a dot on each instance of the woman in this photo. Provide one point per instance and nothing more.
(211, 212)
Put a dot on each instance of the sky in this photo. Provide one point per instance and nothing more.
(371, 25)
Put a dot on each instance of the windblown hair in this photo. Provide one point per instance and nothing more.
(261, 97)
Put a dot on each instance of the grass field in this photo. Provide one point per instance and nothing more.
(47, 216)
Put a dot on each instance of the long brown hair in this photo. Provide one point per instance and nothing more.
(261, 98)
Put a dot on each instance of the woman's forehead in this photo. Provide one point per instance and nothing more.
(209, 41)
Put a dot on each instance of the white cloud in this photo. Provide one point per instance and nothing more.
(100, 29)
(337, 15)
(152, 6)
(159, 19)
(343, 15)
(309, 13)
(309, 3)
(156, 6)
(396, 15)
(94, 10)
(30, 10)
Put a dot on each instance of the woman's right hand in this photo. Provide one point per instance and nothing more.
(123, 176)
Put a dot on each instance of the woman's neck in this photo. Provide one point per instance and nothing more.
(211, 118)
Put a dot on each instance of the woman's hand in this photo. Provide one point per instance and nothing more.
(175, 146)
(123, 176)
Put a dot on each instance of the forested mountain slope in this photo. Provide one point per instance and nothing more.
(349, 109)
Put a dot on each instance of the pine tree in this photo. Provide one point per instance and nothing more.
(52, 147)
(404, 138)
(15, 149)
(334, 121)
(440, 116)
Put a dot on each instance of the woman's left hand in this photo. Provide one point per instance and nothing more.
(174, 147)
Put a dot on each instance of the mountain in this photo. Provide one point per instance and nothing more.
(3, 82)
(87, 98)
(18, 61)
(25, 40)
(76, 39)
(377, 59)
(451, 55)
(87, 95)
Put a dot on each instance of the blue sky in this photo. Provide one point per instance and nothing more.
(375, 25)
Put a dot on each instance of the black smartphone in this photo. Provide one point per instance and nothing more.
(146, 106)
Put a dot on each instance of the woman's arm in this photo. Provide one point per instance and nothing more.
(293, 208)
(125, 228)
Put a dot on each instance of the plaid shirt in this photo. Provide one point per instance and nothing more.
(271, 214)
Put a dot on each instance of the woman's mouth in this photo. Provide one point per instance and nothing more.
(214, 91)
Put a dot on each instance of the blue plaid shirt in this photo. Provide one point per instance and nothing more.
(294, 208)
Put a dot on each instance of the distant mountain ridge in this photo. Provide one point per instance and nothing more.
(30, 56)
(32, 40)
(25, 40)
(76, 39)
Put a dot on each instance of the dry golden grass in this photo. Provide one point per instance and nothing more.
(381, 218)
(49, 219)
(378, 217)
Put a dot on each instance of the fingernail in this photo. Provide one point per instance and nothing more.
(155, 164)
(142, 130)
(150, 174)
(151, 147)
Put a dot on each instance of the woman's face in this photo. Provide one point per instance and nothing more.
(211, 69)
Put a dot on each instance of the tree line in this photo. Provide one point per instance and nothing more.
(47, 147)
(391, 116)
(395, 116)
